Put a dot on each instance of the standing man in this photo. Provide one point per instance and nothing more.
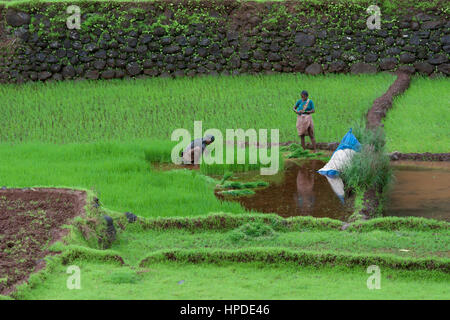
(305, 127)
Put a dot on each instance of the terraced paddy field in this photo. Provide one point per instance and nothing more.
(419, 119)
(105, 137)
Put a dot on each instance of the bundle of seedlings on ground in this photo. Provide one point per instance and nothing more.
(245, 185)
(297, 152)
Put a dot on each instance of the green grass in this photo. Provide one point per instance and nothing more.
(204, 270)
(238, 281)
(132, 245)
(419, 120)
(90, 111)
(117, 172)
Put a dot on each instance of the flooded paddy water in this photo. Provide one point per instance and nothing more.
(298, 191)
(421, 189)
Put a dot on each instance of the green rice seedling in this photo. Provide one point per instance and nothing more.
(238, 192)
(419, 118)
(159, 151)
(226, 176)
(128, 110)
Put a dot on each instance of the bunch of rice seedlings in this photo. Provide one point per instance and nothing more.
(245, 185)
(237, 193)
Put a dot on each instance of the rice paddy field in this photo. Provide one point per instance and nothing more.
(419, 119)
(81, 112)
(111, 138)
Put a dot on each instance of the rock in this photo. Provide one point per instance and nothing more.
(133, 68)
(337, 66)
(445, 40)
(57, 77)
(100, 64)
(424, 67)
(159, 32)
(55, 67)
(110, 232)
(438, 59)
(171, 49)
(44, 75)
(108, 74)
(16, 18)
(444, 68)
(407, 69)
(371, 57)
(131, 217)
(314, 69)
(227, 52)
(407, 58)
(68, 71)
(361, 67)
(273, 57)
(92, 74)
(188, 51)
(91, 47)
(205, 42)
(304, 40)
(431, 25)
(101, 54)
(166, 41)
(259, 55)
(388, 63)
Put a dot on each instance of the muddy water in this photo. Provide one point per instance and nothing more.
(421, 190)
(301, 192)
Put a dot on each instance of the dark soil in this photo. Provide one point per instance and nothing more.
(31, 220)
(382, 104)
(395, 156)
(370, 204)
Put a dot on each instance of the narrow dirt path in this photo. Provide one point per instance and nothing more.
(382, 104)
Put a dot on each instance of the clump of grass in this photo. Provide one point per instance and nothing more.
(252, 231)
(370, 168)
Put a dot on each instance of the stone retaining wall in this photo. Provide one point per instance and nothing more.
(177, 38)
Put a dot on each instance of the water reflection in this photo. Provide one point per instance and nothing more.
(302, 191)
